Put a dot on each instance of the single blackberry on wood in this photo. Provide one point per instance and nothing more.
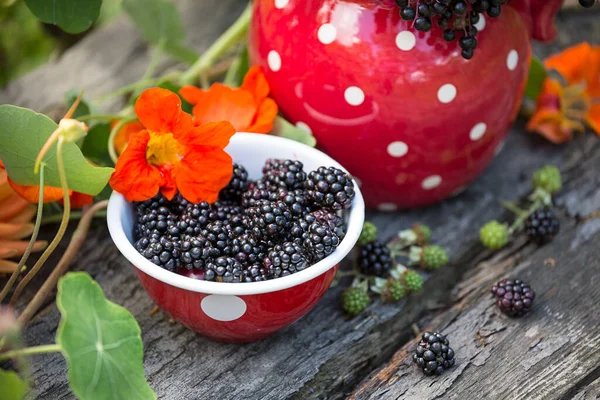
(513, 297)
(268, 219)
(224, 269)
(542, 226)
(287, 174)
(433, 354)
(237, 184)
(375, 259)
(330, 187)
(285, 259)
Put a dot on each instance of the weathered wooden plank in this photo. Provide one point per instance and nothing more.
(550, 354)
(322, 355)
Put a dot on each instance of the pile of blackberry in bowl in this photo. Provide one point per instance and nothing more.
(258, 230)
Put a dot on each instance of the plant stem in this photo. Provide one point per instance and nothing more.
(112, 152)
(61, 229)
(70, 253)
(28, 351)
(147, 82)
(75, 215)
(34, 235)
(152, 64)
(523, 216)
(512, 208)
(219, 47)
(100, 117)
(232, 72)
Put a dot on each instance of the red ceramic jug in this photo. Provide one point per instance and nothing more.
(411, 119)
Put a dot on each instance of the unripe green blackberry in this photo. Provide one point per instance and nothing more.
(547, 178)
(394, 290)
(423, 233)
(412, 280)
(368, 234)
(433, 257)
(355, 300)
(494, 235)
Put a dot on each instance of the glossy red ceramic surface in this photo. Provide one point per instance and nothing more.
(401, 109)
(240, 319)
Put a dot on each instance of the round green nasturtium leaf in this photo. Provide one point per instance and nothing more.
(23, 133)
(72, 16)
(101, 342)
(12, 387)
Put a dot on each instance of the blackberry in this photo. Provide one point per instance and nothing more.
(332, 221)
(330, 187)
(494, 235)
(423, 24)
(287, 174)
(285, 259)
(268, 219)
(375, 259)
(587, 3)
(408, 13)
(394, 290)
(255, 273)
(154, 215)
(542, 226)
(179, 204)
(449, 35)
(433, 257)
(296, 201)
(194, 219)
(196, 252)
(319, 241)
(163, 252)
(412, 280)
(368, 234)
(433, 354)
(224, 269)
(258, 191)
(220, 237)
(355, 300)
(548, 179)
(237, 184)
(249, 250)
(513, 297)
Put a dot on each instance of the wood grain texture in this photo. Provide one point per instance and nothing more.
(323, 355)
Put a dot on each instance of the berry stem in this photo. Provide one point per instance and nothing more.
(75, 215)
(229, 38)
(61, 229)
(111, 138)
(28, 351)
(521, 218)
(512, 207)
(70, 253)
(34, 235)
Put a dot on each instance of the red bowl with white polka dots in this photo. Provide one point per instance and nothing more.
(411, 119)
(240, 312)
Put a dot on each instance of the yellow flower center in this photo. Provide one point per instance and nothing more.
(163, 148)
(575, 104)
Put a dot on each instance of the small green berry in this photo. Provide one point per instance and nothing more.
(547, 178)
(368, 234)
(494, 235)
(423, 233)
(394, 290)
(413, 281)
(355, 300)
(433, 257)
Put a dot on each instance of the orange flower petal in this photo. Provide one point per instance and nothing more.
(593, 118)
(192, 94)
(80, 200)
(15, 231)
(210, 134)
(256, 83)
(31, 193)
(122, 137)
(5, 189)
(168, 186)
(263, 123)
(133, 176)
(11, 207)
(580, 63)
(8, 253)
(223, 103)
(24, 216)
(159, 110)
(7, 267)
(201, 175)
(21, 245)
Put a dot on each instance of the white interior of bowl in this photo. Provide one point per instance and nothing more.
(250, 150)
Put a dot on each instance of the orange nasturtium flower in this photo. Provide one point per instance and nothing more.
(172, 154)
(122, 137)
(566, 105)
(247, 108)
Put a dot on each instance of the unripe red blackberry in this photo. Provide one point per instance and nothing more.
(513, 297)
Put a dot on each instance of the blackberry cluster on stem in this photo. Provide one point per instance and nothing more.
(258, 230)
(457, 18)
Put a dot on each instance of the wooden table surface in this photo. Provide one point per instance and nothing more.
(551, 354)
